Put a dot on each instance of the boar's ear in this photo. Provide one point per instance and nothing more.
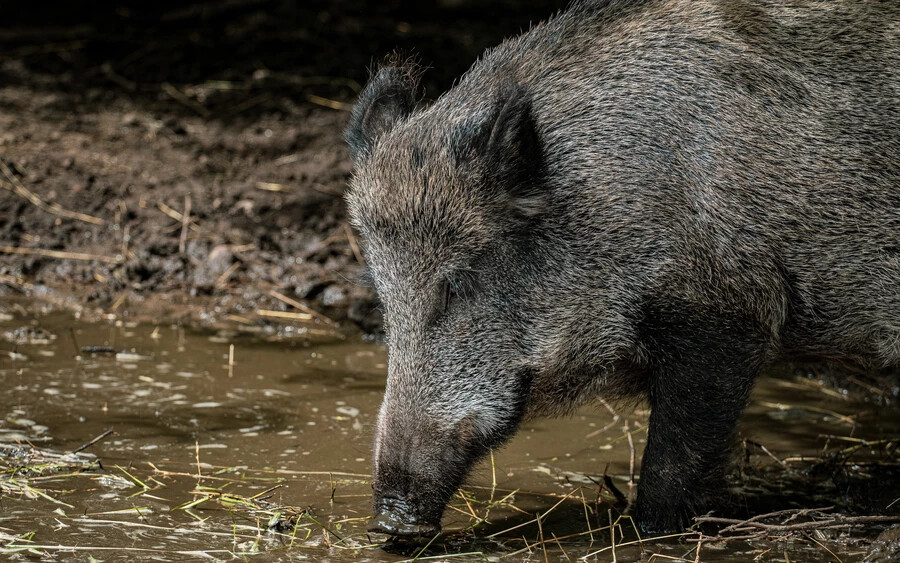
(508, 146)
(389, 97)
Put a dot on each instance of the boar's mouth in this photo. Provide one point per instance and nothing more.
(396, 517)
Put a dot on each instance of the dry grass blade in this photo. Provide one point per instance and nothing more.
(297, 305)
(15, 186)
(61, 254)
(826, 523)
(305, 317)
(16, 283)
(183, 99)
(539, 517)
(640, 542)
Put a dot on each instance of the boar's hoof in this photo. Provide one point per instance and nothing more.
(393, 519)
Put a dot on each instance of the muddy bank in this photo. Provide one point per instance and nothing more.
(187, 158)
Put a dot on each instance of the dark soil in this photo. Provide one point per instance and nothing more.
(132, 112)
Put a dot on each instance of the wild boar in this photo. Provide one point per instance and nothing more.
(649, 198)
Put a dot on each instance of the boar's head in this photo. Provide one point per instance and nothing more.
(446, 200)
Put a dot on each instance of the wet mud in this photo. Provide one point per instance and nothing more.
(186, 158)
(228, 444)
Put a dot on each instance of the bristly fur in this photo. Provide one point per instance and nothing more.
(649, 198)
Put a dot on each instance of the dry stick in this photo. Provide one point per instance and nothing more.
(865, 385)
(631, 458)
(587, 518)
(284, 315)
(297, 305)
(541, 534)
(197, 457)
(54, 208)
(180, 97)
(634, 527)
(92, 442)
(820, 544)
(849, 419)
(559, 545)
(427, 545)
(767, 452)
(493, 477)
(544, 515)
(838, 521)
(579, 534)
(794, 512)
(18, 284)
(325, 102)
(60, 254)
(185, 223)
(648, 540)
(177, 216)
(468, 504)
(612, 536)
(224, 276)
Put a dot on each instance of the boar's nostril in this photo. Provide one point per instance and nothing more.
(393, 504)
(395, 516)
(396, 524)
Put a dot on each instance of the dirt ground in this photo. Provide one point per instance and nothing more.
(118, 120)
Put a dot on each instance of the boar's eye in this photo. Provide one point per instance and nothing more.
(451, 292)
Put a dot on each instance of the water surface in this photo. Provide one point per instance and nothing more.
(268, 458)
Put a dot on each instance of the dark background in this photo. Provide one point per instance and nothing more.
(142, 44)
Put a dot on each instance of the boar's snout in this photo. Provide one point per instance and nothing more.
(397, 517)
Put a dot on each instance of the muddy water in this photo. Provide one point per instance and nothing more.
(268, 458)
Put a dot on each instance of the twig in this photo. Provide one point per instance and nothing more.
(541, 534)
(328, 103)
(180, 97)
(544, 515)
(197, 457)
(16, 283)
(177, 216)
(16, 187)
(226, 275)
(767, 452)
(836, 521)
(185, 223)
(820, 544)
(61, 254)
(631, 457)
(793, 512)
(297, 305)
(587, 518)
(640, 541)
(612, 535)
(284, 315)
(92, 442)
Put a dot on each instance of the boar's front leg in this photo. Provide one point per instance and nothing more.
(701, 369)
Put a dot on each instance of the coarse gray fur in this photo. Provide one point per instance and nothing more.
(652, 197)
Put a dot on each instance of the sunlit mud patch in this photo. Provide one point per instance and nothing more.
(159, 442)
